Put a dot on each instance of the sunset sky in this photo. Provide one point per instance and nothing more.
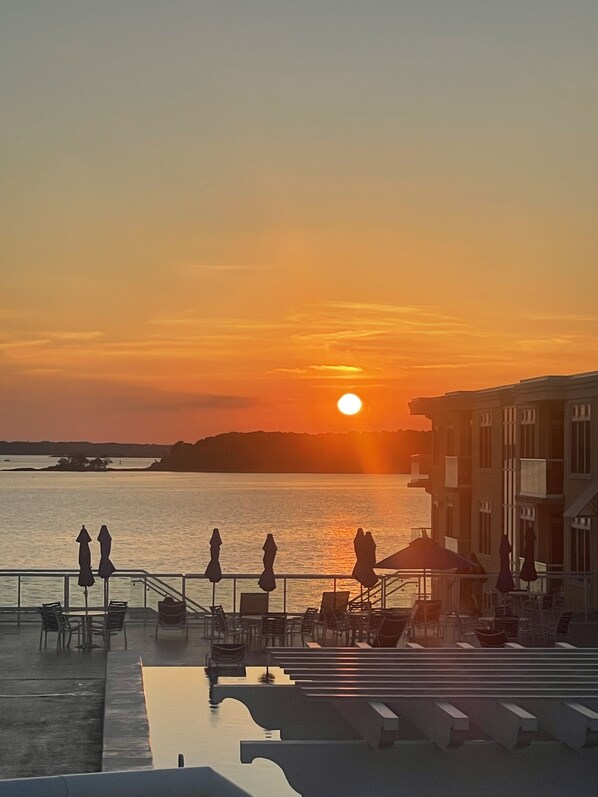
(221, 216)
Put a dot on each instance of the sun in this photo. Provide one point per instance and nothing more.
(349, 404)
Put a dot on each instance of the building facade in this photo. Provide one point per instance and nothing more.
(513, 458)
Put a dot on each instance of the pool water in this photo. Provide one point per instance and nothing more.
(183, 720)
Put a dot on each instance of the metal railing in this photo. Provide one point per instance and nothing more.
(22, 591)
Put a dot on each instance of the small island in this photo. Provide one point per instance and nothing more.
(79, 462)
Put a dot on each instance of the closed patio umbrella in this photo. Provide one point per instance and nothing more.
(213, 571)
(528, 569)
(425, 554)
(106, 568)
(365, 553)
(267, 582)
(86, 578)
(504, 582)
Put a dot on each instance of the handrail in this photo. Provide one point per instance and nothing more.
(162, 588)
(20, 596)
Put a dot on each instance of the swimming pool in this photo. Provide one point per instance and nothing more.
(183, 720)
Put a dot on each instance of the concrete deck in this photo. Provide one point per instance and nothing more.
(52, 702)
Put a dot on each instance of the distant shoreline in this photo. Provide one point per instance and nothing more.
(221, 472)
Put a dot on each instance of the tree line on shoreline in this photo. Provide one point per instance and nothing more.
(248, 452)
(291, 452)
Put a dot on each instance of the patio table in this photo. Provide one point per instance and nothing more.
(86, 618)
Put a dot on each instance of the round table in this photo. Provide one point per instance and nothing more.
(86, 617)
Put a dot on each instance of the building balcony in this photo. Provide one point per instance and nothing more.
(541, 478)
(420, 467)
(457, 472)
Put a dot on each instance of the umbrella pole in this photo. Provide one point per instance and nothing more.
(213, 604)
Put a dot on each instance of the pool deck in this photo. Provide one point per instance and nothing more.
(52, 702)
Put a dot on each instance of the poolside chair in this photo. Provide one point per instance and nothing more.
(559, 630)
(113, 623)
(274, 628)
(335, 623)
(302, 625)
(491, 639)
(53, 621)
(467, 627)
(253, 603)
(226, 653)
(172, 616)
(510, 626)
(359, 624)
(225, 625)
(333, 602)
(427, 614)
(390, 631)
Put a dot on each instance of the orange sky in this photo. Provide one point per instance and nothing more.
(220, 217)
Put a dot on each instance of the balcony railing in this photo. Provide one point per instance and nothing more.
(541, 478)
(420, 468)
(457, 472)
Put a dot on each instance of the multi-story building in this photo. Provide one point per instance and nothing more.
(516, 457)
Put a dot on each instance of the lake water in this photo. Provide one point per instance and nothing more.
(161, 522)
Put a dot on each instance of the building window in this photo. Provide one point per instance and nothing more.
(527, 433)
(485, 440)
(579, 552)
(580, 438)
(484, 527)
(527, 520)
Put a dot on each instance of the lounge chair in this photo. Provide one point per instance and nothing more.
(253, 603)
(510, 626)
(427, 614)
(491, 639)
(225, 658)
(389, 631)
(559, 631)
(333, 603)
(172, 616)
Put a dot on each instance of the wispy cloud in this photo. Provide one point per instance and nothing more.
(201, 402)
(565, 317)
(353, 369)
(76, 335)
(17, 343)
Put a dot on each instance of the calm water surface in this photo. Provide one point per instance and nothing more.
(162, 521)
(183, 720)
